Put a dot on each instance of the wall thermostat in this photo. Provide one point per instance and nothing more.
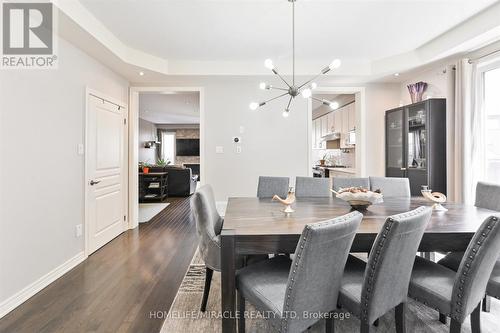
(236, 139)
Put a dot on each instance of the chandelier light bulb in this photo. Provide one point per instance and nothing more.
(306, 93)
(254, 106)
(314, 85)
(263, 85)
(335, 64)
(286, 113)
(333, 105)
(269, 64)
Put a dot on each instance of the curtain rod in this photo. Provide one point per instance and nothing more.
(483, 56)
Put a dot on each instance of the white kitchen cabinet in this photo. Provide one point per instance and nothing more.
(352, 116)
(337, 121)
(324, 125)
(345, 126)
(330, 118)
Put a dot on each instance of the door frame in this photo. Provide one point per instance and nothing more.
(110, 99)
(133, 142)
(360, 98)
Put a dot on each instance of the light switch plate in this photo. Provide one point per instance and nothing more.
(242, 129)
(80, 149)
(79, 230)
(219, 150)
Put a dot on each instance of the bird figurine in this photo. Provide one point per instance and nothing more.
(436, 197)
(287, 202)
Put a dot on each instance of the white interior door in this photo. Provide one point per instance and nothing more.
(105, 172)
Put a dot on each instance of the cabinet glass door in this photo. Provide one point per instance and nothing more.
(417, 138)
(395, 139)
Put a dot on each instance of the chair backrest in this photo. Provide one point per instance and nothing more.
(312, 187)
(339, 182)
(317, 269)
(391, 186)
(390, 263)
(488, 196)
(475, 269)
(269, 186)
(208, 225)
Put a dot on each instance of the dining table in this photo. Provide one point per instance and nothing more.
(259, 226)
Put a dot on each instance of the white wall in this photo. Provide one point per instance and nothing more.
(147, 132)
(42, 194)
(271, 145)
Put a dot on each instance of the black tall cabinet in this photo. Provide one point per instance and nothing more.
(415, 148)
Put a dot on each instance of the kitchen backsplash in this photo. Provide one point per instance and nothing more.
(336, 156)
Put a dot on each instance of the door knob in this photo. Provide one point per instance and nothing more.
(94, 182)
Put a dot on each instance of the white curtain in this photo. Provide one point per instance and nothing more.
(466, 134)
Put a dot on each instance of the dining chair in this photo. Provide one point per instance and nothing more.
(312, 187)
(269, 186)
(370, 289)
(487, 196)
(305, 285)
(458, 294)
(344, 182)
(208, 227)
(391, 186)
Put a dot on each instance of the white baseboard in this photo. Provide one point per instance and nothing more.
(23, 295)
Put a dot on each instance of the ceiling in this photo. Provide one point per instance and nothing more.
(170, 108)
(358, 31)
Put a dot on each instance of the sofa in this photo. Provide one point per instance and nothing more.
(181, 182)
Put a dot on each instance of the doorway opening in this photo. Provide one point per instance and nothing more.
(167, 158)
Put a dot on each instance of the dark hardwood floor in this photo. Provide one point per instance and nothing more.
(118, 287)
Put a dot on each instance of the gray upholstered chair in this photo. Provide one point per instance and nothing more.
(391, 186)
(312, 187)
(487, 196)
(310, 282)
(269, 186)
(339, 182)
(371, 289)
(458, 294)
(208, 226)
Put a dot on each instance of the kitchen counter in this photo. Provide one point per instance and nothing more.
(342, 170)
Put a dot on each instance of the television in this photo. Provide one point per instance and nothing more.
(187, 147)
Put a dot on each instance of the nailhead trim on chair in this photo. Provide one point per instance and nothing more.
(468, 263)
(308, 228)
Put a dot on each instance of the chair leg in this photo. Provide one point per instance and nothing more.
(365, 327)
(330, 324)
(400, 318)
(208, 280)
(455, 326)
(486, 303)
(241, 309)
(443, 318)
(475, 319)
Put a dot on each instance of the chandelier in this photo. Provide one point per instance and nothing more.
(291, 89)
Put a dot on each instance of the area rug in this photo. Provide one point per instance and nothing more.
(149, 210)
(184, 315)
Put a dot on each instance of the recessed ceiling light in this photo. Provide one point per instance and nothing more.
(396, 74)
(141, 73)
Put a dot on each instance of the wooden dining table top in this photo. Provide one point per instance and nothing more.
(254, 216)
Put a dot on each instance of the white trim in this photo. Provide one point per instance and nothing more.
(29, 291)
(360, 125)
(134, 143)
(126, 185)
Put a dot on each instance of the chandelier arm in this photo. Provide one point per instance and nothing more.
(272, 99)
(289, 102)
(317, 99)
(309, 81)
(278, 88)
(282, 79)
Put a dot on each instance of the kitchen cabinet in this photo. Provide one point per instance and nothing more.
(337, 121)
(416, 144)
(324, 125)
(344, 114)
(352, 116)
(330, 117)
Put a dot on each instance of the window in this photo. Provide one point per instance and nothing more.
(168, 146)
(492, 126)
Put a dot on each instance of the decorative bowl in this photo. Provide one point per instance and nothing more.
(359, 198)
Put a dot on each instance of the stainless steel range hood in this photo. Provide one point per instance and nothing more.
(331, 137)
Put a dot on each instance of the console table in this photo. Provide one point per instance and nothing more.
(153, 186)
